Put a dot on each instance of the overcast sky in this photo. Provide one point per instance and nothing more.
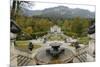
(38, 5)
(43, 5)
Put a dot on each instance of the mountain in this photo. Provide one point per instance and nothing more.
(60, 12)
(27, 12)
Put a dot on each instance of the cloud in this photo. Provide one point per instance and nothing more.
(43, 5)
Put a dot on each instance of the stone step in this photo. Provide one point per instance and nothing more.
(85, 56)
(20, 59)
(82, 50)
(23, 60)
(28, 60)
(79, 58)
(82, 57)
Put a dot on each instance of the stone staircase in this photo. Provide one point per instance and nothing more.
(82, 57)
(81, 54)
(23, 60)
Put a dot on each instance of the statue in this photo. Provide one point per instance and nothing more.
(45, 39)
(76, 44)
(31, 46)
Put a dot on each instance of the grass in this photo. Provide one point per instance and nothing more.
(84, 40)
(24, 45)
(56, 37)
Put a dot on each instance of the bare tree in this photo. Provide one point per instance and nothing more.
(17, 5)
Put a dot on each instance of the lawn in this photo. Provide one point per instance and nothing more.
(58, 37)
(84, 40)
(24, 45)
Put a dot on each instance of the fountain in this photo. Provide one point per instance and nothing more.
(55, 50)
(53, 54)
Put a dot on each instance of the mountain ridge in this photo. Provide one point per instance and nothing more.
(60, 11)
